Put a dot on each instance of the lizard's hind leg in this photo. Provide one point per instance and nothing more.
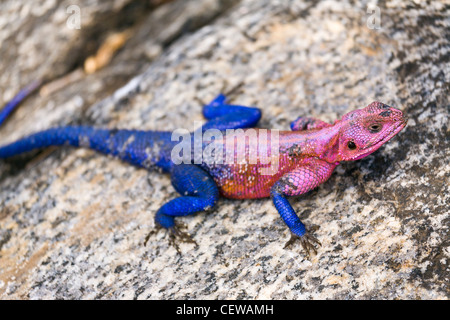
(198, 192)
(224, 116)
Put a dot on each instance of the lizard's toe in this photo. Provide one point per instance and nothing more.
(176, 236)
(308, 242)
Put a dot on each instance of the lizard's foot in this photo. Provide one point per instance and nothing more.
(228, 91)
(150, 234)
(224, 95)
(307, 241)
(175, 236)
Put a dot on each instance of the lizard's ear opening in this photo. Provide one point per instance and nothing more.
(351, 145)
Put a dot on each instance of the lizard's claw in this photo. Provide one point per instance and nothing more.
(232, 90)
(226, 91)
(307, 241)
(175, 236)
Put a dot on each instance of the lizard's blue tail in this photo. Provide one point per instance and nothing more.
(142, 148)
(11, 105)
(74, 136)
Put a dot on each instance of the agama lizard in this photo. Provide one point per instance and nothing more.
(305, 156)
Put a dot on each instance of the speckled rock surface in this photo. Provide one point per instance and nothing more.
(73, 222)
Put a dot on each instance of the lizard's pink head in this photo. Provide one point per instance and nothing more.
(364, 131)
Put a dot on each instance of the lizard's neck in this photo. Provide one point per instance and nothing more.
(321, 143)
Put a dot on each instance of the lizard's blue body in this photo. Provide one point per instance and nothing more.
(307, 156)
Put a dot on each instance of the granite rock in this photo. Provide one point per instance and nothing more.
(73, 222)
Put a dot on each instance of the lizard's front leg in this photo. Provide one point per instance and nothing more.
(297, 182)
(224, 116)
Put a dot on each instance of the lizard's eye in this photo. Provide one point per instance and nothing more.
(376, 127)
(351, 145)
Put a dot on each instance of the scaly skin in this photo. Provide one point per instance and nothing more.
(303, 158)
